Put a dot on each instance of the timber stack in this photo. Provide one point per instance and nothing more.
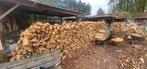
(43, 37)
(129, 31)
(67, 37)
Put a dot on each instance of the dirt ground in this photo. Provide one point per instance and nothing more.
(125, 56)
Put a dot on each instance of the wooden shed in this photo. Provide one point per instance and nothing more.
(115, 17)
(98, 17)
(141, 18)
(27, 6)
(121, 16)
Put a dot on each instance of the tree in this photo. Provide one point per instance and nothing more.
(112, 5)
(100, 11)
(52, 2)
(88, 9)
(77, 6)
(132, 6)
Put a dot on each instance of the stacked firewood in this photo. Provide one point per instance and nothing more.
(43, 37)
(67, 37)
(118, 29)
(129, 31)
(135, 29)
(121, 27)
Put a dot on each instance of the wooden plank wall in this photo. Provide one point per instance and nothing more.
(46, 60)
(6, 25)
(2, 10)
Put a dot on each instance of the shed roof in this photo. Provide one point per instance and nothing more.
(121, 15)
(99, 16)
(140, 15)
(36, 7)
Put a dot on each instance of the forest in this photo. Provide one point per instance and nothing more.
(134, 7)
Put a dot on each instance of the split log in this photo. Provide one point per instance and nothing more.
(117, 41)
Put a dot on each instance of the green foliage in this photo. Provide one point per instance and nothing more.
(51, 2)
(132, 6)
(77, 6)
(100, 11)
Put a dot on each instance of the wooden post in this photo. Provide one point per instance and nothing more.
(61, 19)
(1, 46)
(2, 42)
(78, 19)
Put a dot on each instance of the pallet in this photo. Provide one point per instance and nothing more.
(46, 61)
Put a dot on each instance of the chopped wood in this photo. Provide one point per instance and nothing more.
(117, 41)
(66, 37)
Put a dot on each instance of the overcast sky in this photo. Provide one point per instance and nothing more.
(97, 4)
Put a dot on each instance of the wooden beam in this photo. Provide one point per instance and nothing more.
(9, 11)
(1, 41)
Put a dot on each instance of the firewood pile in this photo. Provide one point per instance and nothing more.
(67, 37)
(43, 37)
(121, 29)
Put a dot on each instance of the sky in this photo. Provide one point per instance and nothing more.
(96, 4)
